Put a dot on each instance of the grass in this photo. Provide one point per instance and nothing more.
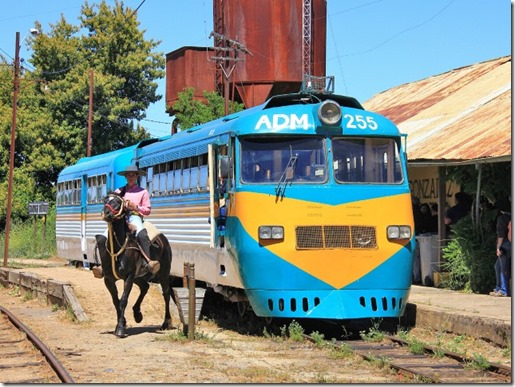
(26, 241)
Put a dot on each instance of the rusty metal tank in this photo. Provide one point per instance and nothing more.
(272, 32)
(188, 67)
(259, 47)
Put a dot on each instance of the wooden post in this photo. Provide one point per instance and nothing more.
(43, 247)
(191, 306)
(34, 232)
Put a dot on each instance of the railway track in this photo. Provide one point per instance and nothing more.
(429, 364)
(23, 357)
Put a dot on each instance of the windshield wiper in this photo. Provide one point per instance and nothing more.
(287, 175)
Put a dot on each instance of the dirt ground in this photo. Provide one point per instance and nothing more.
(92, 354)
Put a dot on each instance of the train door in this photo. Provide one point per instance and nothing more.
(83, 216)
(219, 185)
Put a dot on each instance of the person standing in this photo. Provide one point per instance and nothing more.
(459, 210)
(503, 249)
(417, 217)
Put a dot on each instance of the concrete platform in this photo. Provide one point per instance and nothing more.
(476, 315)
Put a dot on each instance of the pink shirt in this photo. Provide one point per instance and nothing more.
(140, 197)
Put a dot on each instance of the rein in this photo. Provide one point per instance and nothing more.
(112, 253)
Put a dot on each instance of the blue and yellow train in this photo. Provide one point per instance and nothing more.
(299, 207)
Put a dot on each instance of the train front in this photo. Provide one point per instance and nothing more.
(320, 220)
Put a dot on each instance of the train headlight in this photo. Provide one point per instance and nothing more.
(271, 232)
(399, 232)
(330, 113)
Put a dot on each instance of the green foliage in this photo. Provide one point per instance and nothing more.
(190, 112)
(373, 334)
(53, 100)
(318, 338)
(469, 257)
(495, 179)
(479, 362)
(295, 331)
(24, 243)
(341, 351)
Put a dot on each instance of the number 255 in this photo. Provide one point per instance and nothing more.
(360, 122)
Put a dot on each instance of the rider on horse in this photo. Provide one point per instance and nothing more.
(137, 200)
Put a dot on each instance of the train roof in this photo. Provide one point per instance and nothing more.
(105, 161)
(307, 98)
(194, 141)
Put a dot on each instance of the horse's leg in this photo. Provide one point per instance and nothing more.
(136, 309)
(164, 279)
(110, 284)
(127, 287)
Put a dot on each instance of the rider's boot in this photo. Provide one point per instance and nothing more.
(144, 242)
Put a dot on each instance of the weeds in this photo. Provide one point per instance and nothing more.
(341, 351)
(179, 336)
(374, 334)
(416, 347)
(479, 362)
(70, 315)
(29, 295)
(14, 291)
(294, 331)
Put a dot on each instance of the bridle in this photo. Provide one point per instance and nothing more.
(116, 216)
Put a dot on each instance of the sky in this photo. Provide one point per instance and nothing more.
(372, 45)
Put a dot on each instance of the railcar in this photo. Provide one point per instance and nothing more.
(299, 207)
(81, 189)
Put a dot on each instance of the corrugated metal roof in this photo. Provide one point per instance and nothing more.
(457, 116)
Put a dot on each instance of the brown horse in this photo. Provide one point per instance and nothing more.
(122, 259)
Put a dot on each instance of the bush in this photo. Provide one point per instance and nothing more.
(470, 256)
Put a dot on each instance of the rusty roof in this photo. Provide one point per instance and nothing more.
(461, 116)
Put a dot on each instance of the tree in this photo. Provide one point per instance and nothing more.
(52, 114)
(190, 112)
(469, 257)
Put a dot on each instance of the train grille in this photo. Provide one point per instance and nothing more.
(336, 237)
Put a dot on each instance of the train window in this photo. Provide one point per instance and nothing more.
(161, 174)
(169, 179)
(266, 160)
(366, 160)
(177, 175)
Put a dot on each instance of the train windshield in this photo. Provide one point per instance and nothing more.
(265, 160)
(366, 160)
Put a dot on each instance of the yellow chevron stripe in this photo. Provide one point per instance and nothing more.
(337, 267)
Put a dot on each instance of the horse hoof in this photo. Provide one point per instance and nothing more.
(166, 325)
(138, 317)
(120, 332)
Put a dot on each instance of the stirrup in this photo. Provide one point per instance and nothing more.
(153, 266)
(98, 272)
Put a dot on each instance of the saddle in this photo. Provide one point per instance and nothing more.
(152, 230)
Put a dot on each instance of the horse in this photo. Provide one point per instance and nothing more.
(122, 259)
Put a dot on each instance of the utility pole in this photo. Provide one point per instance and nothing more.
(16, 84)
(229, 50)
(90, 115)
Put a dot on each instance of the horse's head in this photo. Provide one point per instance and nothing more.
(114, 208)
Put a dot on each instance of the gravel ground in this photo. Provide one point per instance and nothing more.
(92, 354)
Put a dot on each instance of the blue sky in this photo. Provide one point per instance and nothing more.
(372, 45)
